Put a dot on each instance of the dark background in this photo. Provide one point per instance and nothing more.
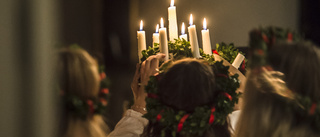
(107, 29)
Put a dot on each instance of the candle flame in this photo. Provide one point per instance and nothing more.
(183, 28)
(161, 23)
(204, 24)
(191, 20)
(172, 3)
(157, 28)
(141, 25)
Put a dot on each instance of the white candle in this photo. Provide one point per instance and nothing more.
(183, 35)
(163, 40)
(155, 36)
(172, 17)
(193, 39)
(141, 40)
(206, 44)
(238, 60)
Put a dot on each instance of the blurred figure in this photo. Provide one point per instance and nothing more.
(82, 105)
(282, 93)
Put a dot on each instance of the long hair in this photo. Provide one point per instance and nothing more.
(78, 75)
(269, 93)
(186, 84)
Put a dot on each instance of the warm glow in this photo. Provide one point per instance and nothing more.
(157, 28)
(191, 20)
(141, 25)
(172, 3)
(204, 24)
(183, 28)
(161, 23)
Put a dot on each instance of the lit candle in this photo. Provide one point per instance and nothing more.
(141, 40)
(183, 35)
(155, 36)
(163, 40)
(172, 17)
(238, 60)
(206, 44)
(193, 39)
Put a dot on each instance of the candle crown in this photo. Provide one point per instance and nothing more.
(183, 28)
(172, 3)
(204, 24)
(157, 28)
(161, 23)
(191, 20)
(141, 25)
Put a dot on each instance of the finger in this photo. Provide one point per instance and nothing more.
(134, 83)
(154, 66)
(160, 56)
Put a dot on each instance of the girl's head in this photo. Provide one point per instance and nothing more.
(79, 78)
(185, 85)
(271, 107)
(78, 73)
(188, 83)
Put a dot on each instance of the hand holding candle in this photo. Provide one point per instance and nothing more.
(206, 44)
(172, 17)
(141, 40)
(193, 39)
(155, 36)
(163, 40)
(183, 35)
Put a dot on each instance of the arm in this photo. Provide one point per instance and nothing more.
(132, 124)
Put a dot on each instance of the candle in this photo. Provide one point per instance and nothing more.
(155, 36)
(193, 39)
(238, 60)
(172, 17)
(183, 35)
(163, 40)
(206, 44)
(141, 40)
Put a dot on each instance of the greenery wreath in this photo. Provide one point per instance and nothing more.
(197, 122)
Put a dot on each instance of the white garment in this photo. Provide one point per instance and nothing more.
(234, 117)
(131, 125)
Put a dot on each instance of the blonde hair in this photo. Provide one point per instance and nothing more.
(78, 75)
(268, 94)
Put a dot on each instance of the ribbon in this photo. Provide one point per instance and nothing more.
(159, 116)
(152, 95)
(182, 120)
(290, 37)
(265, 38)
(227, 95)
(222, 75)
(215, 52)
(313, 108)
(105, 91)
(102, 76)
(103, 102)
(91, 108)
(211, 119)
(243, 65)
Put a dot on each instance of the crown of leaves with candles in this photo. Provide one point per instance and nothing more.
(178, 121)
(197, 122)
